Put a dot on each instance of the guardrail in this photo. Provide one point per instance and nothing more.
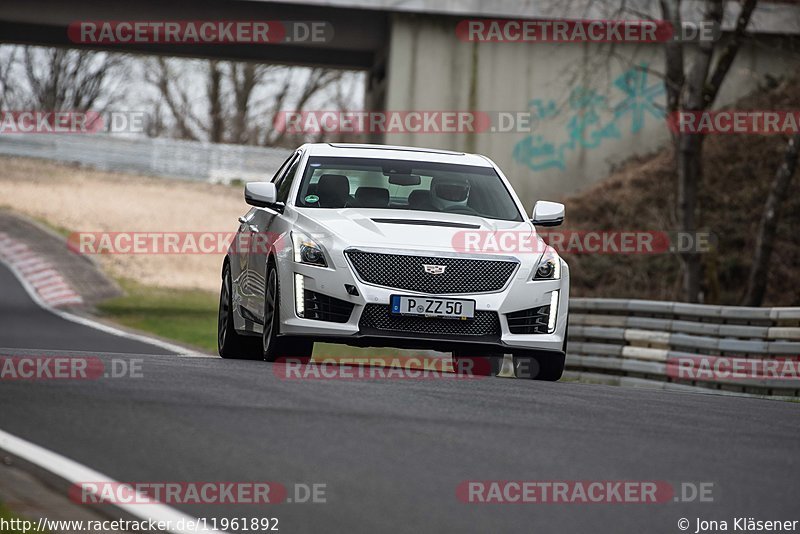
(724, 348)
(170, 158)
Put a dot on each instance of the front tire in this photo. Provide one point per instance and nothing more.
(546, 366)
(230, 343)
(542, 366)
(272, 345)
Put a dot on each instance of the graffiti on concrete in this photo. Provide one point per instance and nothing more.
(636, 97)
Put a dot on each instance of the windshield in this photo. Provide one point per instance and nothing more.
(337, 182)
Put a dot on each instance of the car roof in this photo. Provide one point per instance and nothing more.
(395, 152)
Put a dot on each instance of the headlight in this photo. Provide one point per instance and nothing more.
(306, 250)
(549, 267)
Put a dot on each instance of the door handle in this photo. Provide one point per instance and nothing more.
(253, 228)
(242, 220)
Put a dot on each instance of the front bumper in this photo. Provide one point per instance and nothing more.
(521, 293)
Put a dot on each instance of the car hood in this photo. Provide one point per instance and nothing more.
(409, 230)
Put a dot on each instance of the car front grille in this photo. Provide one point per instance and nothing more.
(461, 275)
(530, 321)
(377, 319)
(325, 308)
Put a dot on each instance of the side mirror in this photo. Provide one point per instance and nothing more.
(548, 213)
(261, 194)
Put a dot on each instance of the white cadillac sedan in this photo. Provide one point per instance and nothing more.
(372, 245)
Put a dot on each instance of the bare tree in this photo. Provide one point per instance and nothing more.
(693, 75)
(175, 98)
(690, 86)
(674, 78)
(691, 91)
(317, 81)
(757, 280)
(7, 62)
(241, 100)
(70, 80)
(245, 79)
(156, 126)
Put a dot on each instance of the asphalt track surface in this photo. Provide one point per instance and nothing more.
(392, 452)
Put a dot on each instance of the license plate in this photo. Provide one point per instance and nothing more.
(433, 307)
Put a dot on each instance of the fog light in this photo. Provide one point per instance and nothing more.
(551, 320)
(299, 294)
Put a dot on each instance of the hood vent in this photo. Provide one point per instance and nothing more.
(418, 222)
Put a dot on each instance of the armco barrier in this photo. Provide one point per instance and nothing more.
(169, 158)
(641, 341)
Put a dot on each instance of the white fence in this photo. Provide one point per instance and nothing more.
(154, 157)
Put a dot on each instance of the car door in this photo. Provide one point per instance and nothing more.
(238, 257)
(244, 282)
(261, 235)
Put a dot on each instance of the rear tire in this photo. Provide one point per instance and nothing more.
(272, 345)
(467, 363)
(230, 343)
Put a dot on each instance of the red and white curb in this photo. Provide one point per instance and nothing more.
(40, 274)
(48, 289)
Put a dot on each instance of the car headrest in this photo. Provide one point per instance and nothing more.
(372, 197)
(420, 199)
(333, 190)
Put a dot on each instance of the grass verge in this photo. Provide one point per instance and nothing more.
(184, 315)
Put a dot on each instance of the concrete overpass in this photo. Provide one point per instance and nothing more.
(415, 62)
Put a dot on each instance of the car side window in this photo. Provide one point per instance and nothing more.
(285, 181)
(283, 171)
(279, 174)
